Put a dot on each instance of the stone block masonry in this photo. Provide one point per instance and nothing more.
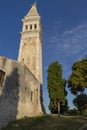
(19, 92)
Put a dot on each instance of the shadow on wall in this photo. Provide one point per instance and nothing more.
(9, 96)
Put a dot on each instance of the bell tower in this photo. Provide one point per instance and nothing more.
(30, 51)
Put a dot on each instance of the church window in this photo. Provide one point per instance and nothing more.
(2, 75)
(35, 26)
(30, 26)
(26, 27)
(31, 95)
(37, 95)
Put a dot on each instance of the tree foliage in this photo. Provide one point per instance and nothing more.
(81, 102)
(78, 79)
(56, 86)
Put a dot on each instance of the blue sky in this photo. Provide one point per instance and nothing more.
(64, 25)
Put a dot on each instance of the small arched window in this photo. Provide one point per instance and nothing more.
(2, 75)
(37, 95)
(31, 95)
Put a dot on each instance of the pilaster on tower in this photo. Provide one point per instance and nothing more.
(30, 51)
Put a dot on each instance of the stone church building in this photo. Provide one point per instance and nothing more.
(21, 81)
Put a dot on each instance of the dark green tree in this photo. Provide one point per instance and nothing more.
(56, 87)
(81, 102)
(77, 81)
(65, 107)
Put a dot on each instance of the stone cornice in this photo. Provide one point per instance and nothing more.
(30, 32)
(27, 19)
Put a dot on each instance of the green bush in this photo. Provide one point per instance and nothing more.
(73, 112)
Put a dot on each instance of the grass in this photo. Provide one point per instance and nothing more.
(47, 122)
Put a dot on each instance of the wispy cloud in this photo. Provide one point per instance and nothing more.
(72, 42)
(66, 47)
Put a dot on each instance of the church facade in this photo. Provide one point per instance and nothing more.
(21, 81)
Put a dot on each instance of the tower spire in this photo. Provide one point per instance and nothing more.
(33, 11)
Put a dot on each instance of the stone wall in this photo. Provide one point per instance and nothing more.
(19, 92)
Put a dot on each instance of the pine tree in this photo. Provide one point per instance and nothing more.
(81, 102)
(56, 87)
(77, 81)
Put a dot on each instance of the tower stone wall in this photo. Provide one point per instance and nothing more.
(30, 51)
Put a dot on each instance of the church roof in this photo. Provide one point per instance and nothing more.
(33, 11)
